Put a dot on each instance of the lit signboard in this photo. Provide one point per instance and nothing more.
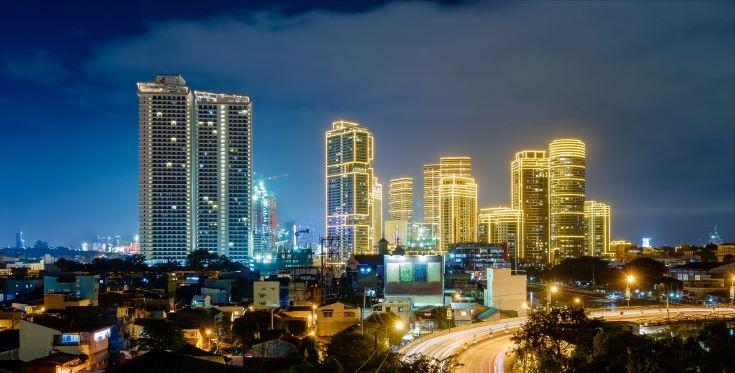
(418, 276)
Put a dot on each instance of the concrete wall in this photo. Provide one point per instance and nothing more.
(505, 291)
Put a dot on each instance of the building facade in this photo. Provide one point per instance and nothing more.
(377, 214)
(432, 179)
(502, 225)
(195, 171)
(530, 194)
(458, 196)
(349, 179)
(567, 230)
(264, 224)
(598, 218)
(400, 199)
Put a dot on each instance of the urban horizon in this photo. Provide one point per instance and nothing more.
(641, 193)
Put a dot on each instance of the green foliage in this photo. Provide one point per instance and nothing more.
(199, 260)
(585, 268)
(162, 334)
(647, 272)
(247, 329)
(551, 337)
(351, 350)
(40, 245)
(380, 323)
(560, 341)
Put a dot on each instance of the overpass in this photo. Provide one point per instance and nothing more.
(482, 346)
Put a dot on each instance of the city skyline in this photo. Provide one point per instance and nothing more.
(631, 128)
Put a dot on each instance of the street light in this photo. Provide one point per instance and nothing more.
(552, 290)
(732, 290)
(577, 300)
(208, 333)
(629, 280)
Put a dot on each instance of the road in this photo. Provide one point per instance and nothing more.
(493, 339)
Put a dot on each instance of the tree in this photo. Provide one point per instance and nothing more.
(40, 245)
(647, 272)
(380, 323)
(247, 329)
(547, 341)
(585, 268)
(197, 260)
(162, 334)
(352, 349)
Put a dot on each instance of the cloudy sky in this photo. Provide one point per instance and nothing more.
(650, 87)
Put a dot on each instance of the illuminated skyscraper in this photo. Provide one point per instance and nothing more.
(457, 166)
(567, 232)
(530, 193)
(432, 180)
(502, 225)
(164, 153)
(377, 214)
(400, 199)
(598, 217)
(265, 223)
(222, 180)
(349, 185)
(195, 171)
(458, 201)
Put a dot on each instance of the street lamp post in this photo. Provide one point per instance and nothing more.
(628, 281)
(552, 289)
(578, 301)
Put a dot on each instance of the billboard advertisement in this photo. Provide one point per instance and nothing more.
(418, 276)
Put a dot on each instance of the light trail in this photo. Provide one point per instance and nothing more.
(443, 345)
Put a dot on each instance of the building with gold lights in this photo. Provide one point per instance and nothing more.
(597, 216)
(457, 202)
(349, 190)
(502, 225)
(377, 212)
(530, 194)
(567, 228)
(432, 180)
(400, 199)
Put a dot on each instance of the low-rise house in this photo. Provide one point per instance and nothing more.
(335, 317)
(57, 362)
(83, 286)
(41, 335)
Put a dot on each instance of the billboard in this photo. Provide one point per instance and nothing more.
(418, 276)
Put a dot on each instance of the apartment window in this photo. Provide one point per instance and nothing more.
(327, 313)
(349, 314)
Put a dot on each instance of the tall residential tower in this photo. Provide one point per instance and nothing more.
(195, 171)
(567, 232)
(457, 202)
(598, 217)
(530, 193)
(349, 186)
(400, 199)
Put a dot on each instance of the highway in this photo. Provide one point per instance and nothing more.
(482, 347)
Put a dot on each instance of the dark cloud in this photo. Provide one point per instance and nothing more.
(649, 86)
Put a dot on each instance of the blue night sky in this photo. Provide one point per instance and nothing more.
(650, 87)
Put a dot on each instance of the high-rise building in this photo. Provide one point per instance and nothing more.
(264, 226)
(432, 180)
(222, 183)
(400, 199)
(20, 243)
(458, 201)
(164, 153)
(530, 193)
(195, 152)
(598, 217)
(457, 166)
(377, 214)
(502, 225)
(567, 232)
(349, 179)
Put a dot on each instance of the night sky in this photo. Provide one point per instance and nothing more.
(648, 86)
